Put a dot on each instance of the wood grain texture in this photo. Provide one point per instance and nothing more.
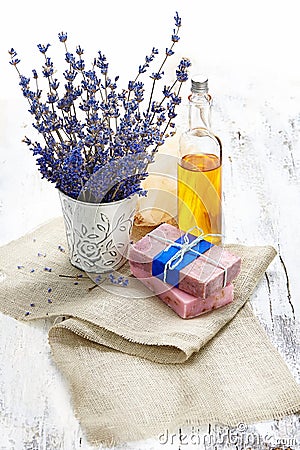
(260, 133)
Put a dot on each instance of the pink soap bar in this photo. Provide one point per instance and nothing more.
(200, 278)
(185, 305)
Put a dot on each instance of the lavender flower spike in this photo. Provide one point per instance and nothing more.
(96, 138)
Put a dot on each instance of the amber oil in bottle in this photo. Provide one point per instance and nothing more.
(199, 186)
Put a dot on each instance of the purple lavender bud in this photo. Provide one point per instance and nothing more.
(14, 62)
(79, 50)
(43, 48)
(62, 36)
(169, 52)
(12, 52)
(175, 37)
(177, 20)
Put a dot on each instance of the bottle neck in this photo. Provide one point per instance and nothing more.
(200, 111)
(199, 138)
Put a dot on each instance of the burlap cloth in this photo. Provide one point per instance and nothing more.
(133, 366)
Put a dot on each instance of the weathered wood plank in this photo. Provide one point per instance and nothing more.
(260, 135)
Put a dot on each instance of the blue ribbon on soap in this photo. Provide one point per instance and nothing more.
(167, 264)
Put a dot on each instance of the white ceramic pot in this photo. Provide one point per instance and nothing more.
(98, 234)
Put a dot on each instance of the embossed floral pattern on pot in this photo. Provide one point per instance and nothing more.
(98, 235)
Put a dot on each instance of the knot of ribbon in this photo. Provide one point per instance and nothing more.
(188, 246)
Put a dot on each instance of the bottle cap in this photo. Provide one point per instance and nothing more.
(199, 84)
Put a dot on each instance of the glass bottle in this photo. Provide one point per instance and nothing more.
(199, 186)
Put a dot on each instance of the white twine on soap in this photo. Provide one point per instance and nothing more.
(187, 246)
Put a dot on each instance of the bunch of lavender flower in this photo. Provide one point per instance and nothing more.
(98, 140)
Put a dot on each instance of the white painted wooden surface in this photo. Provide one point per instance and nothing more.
(257, 115)
(261, 206)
